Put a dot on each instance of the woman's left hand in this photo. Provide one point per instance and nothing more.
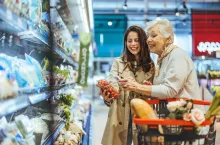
(128, 84)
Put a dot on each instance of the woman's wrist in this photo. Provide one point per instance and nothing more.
(107, 103)
(143, 89)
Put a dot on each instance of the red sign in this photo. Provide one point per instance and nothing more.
(205, 33)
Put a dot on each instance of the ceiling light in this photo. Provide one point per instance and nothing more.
(125, 6)
(110, 23)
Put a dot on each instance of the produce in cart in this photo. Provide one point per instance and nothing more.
(193, 129)
(144, 111)
(214, 108)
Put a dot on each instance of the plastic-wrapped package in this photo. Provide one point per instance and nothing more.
(37, 68)
(25, 126)
(9, 86)
(40, 127)
(28, 72)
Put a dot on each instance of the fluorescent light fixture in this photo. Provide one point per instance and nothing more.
(91, 19)
(125, 6)
(101, 38)
(82, 3)
(85, 18)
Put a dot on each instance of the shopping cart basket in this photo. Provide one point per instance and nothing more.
(175, 132)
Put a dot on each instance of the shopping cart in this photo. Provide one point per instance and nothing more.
(175, 132)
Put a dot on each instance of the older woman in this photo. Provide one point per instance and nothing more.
(175, 75)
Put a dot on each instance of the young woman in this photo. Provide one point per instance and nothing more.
(135, 63)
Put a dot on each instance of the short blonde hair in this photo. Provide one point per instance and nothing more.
(165, 28)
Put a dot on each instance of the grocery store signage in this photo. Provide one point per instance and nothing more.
(85, 39)
(205, 33)
(208, 46)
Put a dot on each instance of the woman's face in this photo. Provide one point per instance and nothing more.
(133, 43)
(155, 40)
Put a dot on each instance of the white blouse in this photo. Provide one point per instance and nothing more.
(177, 77)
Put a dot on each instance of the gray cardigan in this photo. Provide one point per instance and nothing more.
(177, 77)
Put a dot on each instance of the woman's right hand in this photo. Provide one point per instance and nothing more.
(105, 95)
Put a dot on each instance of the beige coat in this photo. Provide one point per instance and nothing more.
(116, 129)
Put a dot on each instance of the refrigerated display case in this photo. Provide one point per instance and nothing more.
(40, 101)
(208, 71)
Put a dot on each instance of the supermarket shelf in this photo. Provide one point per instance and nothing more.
(21, 26)
(45, 88)
(11, 105)
(91, 127)
(34, 99)
(59, 50)
(87, 128)
(12, 19)
(52, 137)
(34, 36)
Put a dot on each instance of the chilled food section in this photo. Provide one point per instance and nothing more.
(41, 102)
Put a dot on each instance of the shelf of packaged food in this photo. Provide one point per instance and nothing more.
(33, 90)
(52, 136)
(23, 27)
(59, 50)
(35, 36)
(12, 19)
(27, 30)
(14, 104)
(21, 101)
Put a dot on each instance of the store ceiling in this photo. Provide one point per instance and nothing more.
(139, 12)
(145, 10)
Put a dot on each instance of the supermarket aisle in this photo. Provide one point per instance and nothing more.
(99, 121)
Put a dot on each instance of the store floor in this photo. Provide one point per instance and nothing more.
(100, 112)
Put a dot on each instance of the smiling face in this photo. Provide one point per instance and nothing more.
(133, 43)
(156, 41)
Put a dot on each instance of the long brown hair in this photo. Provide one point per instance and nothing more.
(145, 61)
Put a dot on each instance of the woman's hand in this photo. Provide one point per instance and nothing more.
(147, 82)
(105, 95)
(128, 84)
(131, 85)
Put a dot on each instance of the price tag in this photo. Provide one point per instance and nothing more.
(38, 97)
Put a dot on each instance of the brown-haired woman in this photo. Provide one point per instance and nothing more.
(135, 63)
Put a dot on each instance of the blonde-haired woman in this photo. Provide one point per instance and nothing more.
(175, 75)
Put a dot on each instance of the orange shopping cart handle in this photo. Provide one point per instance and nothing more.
(169, 122)
(200, 102)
